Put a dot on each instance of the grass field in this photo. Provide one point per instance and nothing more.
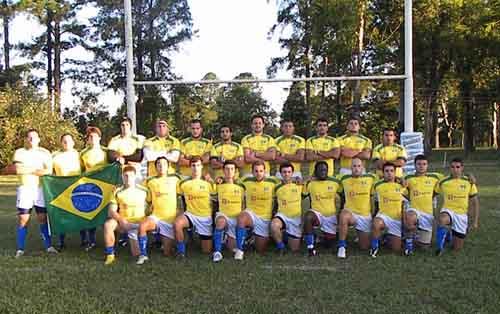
(78, 282)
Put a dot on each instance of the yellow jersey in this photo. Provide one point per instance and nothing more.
(162, 195)
(66, 163)
(290, 145)
(259, 144)
(353, 141)
(357, 192)
(197, 193)
(289, 197)
(231, 198)
(389, 153)
(94, 158)
(194, 147)
(131, 203)
(222, 152)
(456, 193)
(322, 194)
(421, 191)
(322, 144)
(125, 146)
(161, 144)
(32, 159)
(260, 196)
(390, 196)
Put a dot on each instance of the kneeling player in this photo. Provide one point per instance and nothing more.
(230, 196)
(126, 209)
(162, 195)
(389, 196)
(322, 191)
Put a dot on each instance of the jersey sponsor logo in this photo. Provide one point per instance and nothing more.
(455, 197)
(354, 194)
(421, 193)
(195, 197)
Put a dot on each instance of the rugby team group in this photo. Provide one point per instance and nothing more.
(227, 194)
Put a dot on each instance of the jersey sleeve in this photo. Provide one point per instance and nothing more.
(402, 154)
(239, 153)
(213, 152)
(376, 155)
(335, 143)
(271, 144)
(368, 144)
(473, 190)
(208, 148)
(309, 144)
(245, 143)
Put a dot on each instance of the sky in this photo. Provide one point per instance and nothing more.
(232, 38)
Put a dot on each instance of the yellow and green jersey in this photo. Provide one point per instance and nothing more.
(259, 144)
(356, 142)
(226, 151)
(125, 146)
(290, 145)
(32, 159)
(162, 144)
(66, 163)
(131, 203)
(389, 153)
(162, 195)
(390, 196)
(94, 158)
(260, 196)
(197, 194)
(322, 144)
(322, 194)
(194, 147)
(421, 191)
(357, 192)
(289, 198)
(231, 198)
(456, 193)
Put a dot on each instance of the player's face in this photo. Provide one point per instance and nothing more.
(287, 129)
(161, 129)
(128, 178)
(421, 166)
(322, 128)
(389, 173)
(353, 126)
(67, 143)
(286, 174)
(389, 137)
(196, 130)
(94, 139)
(162, 167)
(257, 125)
(456, 169)
(196, 169)
(321, 171)
(225, 134)
(229, 171)
(357, 167)
(125, 128)
(32, 139)
(259, 172)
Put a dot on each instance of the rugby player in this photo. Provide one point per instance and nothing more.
(353, 145)
(389, 152)
(194, 146)
(322, 147)
(161, 145)
(290, 149)
(258, 147)
(224, 151)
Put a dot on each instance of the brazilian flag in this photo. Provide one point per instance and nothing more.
(80, 202)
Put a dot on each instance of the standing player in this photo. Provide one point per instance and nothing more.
(161, 145)
(356, 188)
(231, 201)
(457, 191)
(224, 151)
(194, 146)
(322, 191)
(258, 147)
(291, 149)
(32, 162)
(322, 147)
(289, 217)
(126, 148)
(389, 196)
(259, 198)
(126, 209)
(389, 152)
(196, 194)
(162, 195)
(353, 145)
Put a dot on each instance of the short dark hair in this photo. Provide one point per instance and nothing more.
(126, 119)
(194, 159)
(388, 164)
(420, 157)
(321, 120)
(226, 126)
(93, 129)
(286, 165)
(129, 168)
(354, 117)
(457, 159)
(258, 163)
(286, 120)
(160, 158)
(258, 116)
(320, 163)
(196, 121)
(389, 129)
(229, 162)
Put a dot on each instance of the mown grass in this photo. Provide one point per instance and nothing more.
(78, 282)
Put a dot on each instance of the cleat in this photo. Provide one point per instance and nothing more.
(84, 244)
(312, 252)
(142, 259)
(408, 252)
(217, 257)
(110, 259)
(61, 247)
(341, 252)
(19, 253)
(238, 255)
(180, 256)
(90, 247)
(373, 252)
(51, 250)
(439, 252)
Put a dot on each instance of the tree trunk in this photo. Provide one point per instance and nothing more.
(49, 50)
(6, 43)
(57, 66)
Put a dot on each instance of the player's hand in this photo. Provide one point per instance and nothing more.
(219, 180)
(121, 160)
(39, 172)
(474, 226)
(9, 169)
(207, 177)
(472, 179)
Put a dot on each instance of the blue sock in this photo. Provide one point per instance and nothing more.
(441, 236)
(375, 243)
(218, 236)
(21, 237)
(409, 244)
(449, 236)
(109, 250)
(92, 236)
(241, 234)
(157, 236)
(285, 237)
(342, 243)
(44, 232)
(83, 235)
(181, 247)
(143, 244)
(280, 245)
(123, 236)
(309, 238)
(61, 239)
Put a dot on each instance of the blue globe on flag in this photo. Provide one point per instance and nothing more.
(86, 197)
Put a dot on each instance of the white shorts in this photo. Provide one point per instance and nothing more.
(425, 220)
(164, 228)
(201, 225)
(393, 226)
(28, 196)
(230, 224)
(295, 175)
(133, 231)
(459, 222)
(361, 223)
(292, 225)
(327, 224)
(260, 225)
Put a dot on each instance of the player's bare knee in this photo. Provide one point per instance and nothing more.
(444, 219)
(220, 223)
